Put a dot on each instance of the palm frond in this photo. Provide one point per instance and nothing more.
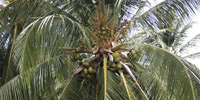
(19, 13)
(44, 37)
(168, 69)
(191, 43)
(194, 72)
(14, 90)
(138, 86)
(71, 90)
(186, 27)
(47, 80)
(164, 12)
(128, 90)
(180, 34)
(193, 55)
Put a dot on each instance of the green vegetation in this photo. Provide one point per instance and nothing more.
(79, 50)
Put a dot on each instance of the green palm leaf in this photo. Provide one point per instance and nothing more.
(176, 77)
(164, 13)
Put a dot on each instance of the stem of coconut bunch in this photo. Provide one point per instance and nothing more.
(105, 75)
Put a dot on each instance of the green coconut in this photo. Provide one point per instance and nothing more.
(79, 49)
(103, 28)
(85, 71)
(77, 56)
(117, 59)
(133, 52)
(107, 28)
(82, 75)
(84, 55)
(113, 65)
(89, 76)
(118, 66)
(86, 64)
(112, 33)
(90, 69)
(104, 32)
(115, 55)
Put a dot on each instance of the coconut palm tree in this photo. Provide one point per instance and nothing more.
(171, 38)
(76, 50)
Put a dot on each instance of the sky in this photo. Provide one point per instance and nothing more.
(190, 33)
(2, 2)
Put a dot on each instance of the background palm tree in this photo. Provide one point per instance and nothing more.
(46, 40)
(170, 38)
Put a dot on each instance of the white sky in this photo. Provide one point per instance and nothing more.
(1, 2)
(190, 33)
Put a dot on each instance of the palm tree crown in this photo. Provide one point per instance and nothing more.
(77, 50)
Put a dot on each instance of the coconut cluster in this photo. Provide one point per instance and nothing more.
(89, 70)
(115, 65)
(78, 55)
(105, 33)
(133, 55)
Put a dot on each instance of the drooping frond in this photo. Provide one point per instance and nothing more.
(164, 13)
(180, 34)
(14, 89)
(37, 50)
(191, 43)
(45, 36)
(193, 55)
(14, 18)
(159, 70)
(194, 72)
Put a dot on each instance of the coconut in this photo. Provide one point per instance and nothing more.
(79, 49)
(107, 27)
(133, 52)
(112, 33)
(84, 55)
(85, 71)
(82, 75)
(104, 32)
(115, 55)
(118, 66)
(117, 59)
(80, 58)
(86, 64)
(77, 57)
(93, 71)
(90, 69)
(113, 65)
(103, 28)
(89, 76)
